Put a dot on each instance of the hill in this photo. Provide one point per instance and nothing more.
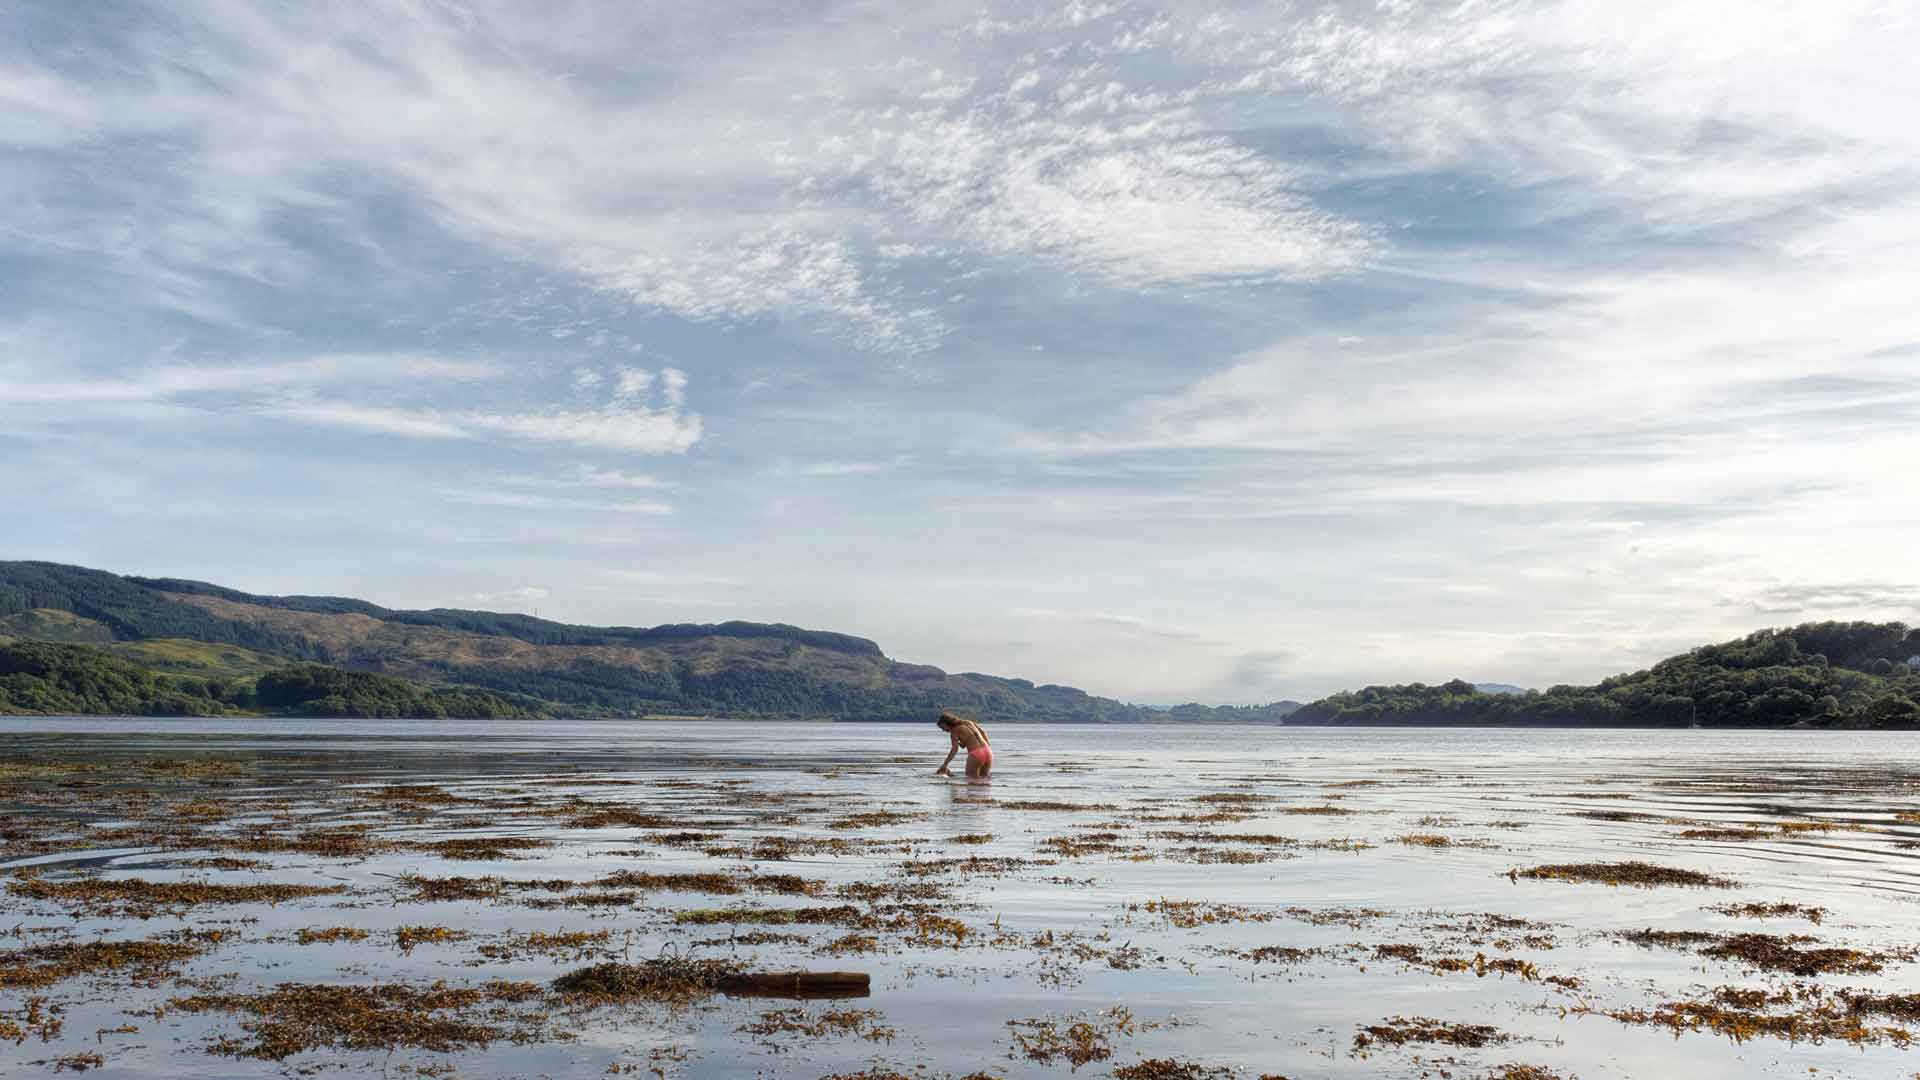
(58, 678)
(1854, 675)
(740, 669)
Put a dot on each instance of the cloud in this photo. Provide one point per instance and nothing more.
(293, 391)
(626, 424)
(519, 597)
(838, 468)
(521, 500)
(1832, 599)
(644, 431)
(1113, 623)
(174, 381)
(368, 418)
(669, 579)
(589, 476)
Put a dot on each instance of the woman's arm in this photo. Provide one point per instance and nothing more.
(953, 747)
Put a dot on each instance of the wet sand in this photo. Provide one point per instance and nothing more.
(259, 898)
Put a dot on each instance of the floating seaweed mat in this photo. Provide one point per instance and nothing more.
(677, 978)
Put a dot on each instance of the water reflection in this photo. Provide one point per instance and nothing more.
(1284, 841)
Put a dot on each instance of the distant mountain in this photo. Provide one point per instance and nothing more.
(1850, 675)
(80, 640)
(742, 669)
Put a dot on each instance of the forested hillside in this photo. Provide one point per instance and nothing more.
(165, 645)
(725, 669)
(64, 679)
(1831, 674)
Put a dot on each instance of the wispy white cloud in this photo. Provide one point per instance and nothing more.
(669, 579)
(516, 597)
(373, 419)
(838, 468)
(588, 476)
(523, 500)
(643, 431)
(29, 383)
(333, 391)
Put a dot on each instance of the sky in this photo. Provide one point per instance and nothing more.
(1219, 352)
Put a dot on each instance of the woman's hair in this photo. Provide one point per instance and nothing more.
(947, 719)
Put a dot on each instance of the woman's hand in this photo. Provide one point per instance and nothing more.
(943, 771)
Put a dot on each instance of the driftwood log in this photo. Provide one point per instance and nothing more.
(817, 984)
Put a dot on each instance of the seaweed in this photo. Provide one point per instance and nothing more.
(142, 899)
(407, 937)
(1078, 1040)
(1780, 910)
(295, 1018)
(1170, 1069)
(1639, 874)
(483, 848)
(1769, 952)
(1813, 1025)
(44, 965)
(1401, 1030)
(863, 1023)
(843, 914)
(670, 978)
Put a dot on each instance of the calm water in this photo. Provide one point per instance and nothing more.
(1504, 799)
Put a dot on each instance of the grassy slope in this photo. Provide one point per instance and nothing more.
(50, 624)
(182, 656)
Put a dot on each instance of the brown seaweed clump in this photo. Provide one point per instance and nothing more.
(1639, 874)
(1079, 1041)
(1190, 914)
(1770, 952)
(483, 848)
(1771, 911)
(575, 944)
(347, 843)
(841, 914)
(1905, 1007)
(294, 1018)
(407, 937)
(1170, 1069)
(142, 899)
(44, 965)
(668, 978)
(1401, 1030)
(37, 1016)
(893, 1074)
(1739, 1019)
(873, 819)
(1278, 954)
(863, 1023)
(308, 935)
(1668, 939)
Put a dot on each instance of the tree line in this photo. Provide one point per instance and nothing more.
(1829, 674)
(51, 678)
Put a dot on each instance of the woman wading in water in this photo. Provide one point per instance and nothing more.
(966, 734)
